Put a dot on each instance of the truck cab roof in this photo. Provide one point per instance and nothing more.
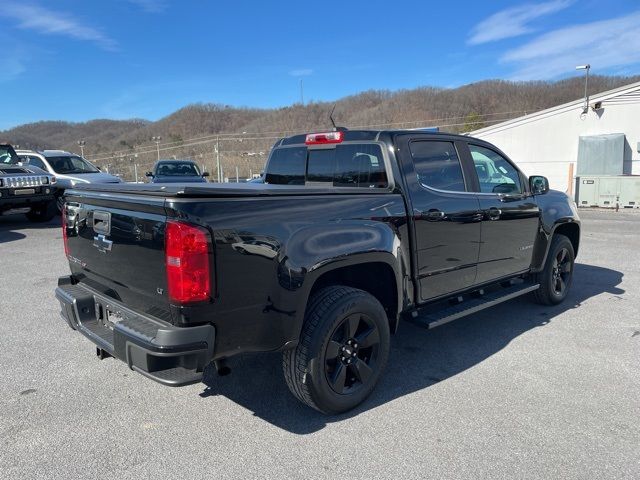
(367, 135)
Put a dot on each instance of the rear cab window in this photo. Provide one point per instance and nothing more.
(345, 165)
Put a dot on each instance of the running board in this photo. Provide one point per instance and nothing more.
(468, 307)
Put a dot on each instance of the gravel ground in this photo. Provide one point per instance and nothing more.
(518, 391)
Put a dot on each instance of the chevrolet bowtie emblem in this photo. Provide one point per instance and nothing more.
(102, 244)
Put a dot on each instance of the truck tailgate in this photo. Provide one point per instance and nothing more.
(115, 245)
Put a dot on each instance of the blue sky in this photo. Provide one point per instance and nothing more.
(79, 60)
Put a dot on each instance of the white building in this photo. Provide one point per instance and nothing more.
(546, 142)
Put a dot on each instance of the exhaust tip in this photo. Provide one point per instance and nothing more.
(221, 367)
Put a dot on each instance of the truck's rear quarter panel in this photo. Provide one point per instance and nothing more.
(270, 250)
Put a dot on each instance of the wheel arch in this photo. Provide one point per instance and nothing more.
(568, 228)
(572, 232)
(376, 273)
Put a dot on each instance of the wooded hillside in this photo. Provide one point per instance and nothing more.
(245, 135)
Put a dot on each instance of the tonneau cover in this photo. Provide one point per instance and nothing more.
(221, 189)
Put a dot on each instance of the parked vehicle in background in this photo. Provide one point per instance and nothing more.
(25, 189)
(176, 171)
(69, 169)
(351, 232)
(259, 179)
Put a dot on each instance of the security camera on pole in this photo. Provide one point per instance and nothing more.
(586, 68)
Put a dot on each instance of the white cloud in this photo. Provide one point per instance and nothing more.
(48, 22)
(603, 44)
(513, 22)
(301, 72)
(150, 6)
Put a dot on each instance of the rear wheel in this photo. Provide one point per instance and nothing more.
(556, 277)
(343, 349)
(42, 213)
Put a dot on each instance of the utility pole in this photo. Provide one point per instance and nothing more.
(237, 177)
(135, 166)
(81, 144)
(157, 140)
(218, 169)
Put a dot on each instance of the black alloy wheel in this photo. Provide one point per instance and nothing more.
(352, 354)
(556, 276)
(342, 352)
(561, 272)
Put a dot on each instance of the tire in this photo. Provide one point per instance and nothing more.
(329, 370)
(42, 213)
(59, 202)
(556, 276)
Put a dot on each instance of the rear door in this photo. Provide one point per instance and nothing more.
(510, 215)
(445, 214)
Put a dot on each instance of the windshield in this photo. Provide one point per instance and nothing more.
(71, 164)
(177, 169)
(8, 156)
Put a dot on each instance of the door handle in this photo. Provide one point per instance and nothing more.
(434, 214)
(494, 213)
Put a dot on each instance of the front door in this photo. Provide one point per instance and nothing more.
(445, 215)
(510, 216)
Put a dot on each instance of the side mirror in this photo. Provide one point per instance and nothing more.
(149, 174)
(538, 184)
(205, 174)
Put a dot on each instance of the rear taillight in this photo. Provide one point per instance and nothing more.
(187, 250)
(65, 239)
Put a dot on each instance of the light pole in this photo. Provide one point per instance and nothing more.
(586, 68)
(81, 144)
(157, 140)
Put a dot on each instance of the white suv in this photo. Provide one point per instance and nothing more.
(70, 169)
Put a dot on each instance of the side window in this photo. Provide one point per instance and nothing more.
(437, 165)
(35, 161)
(495, 173)
(357, 165)
(287, 166)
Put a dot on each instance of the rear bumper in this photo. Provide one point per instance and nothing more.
(170, 355)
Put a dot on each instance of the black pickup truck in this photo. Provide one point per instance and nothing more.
(351, 232)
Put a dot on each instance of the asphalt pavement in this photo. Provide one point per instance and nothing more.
(517, 391)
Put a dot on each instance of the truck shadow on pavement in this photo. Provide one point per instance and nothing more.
(11, 225)
(419, 358)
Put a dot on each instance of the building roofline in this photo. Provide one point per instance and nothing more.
(598, 97)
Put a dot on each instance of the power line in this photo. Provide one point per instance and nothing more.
(265, 135)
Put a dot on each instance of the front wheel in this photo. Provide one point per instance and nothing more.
(60, 202)
(343, 349)
(556, 276)
(42, 213)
